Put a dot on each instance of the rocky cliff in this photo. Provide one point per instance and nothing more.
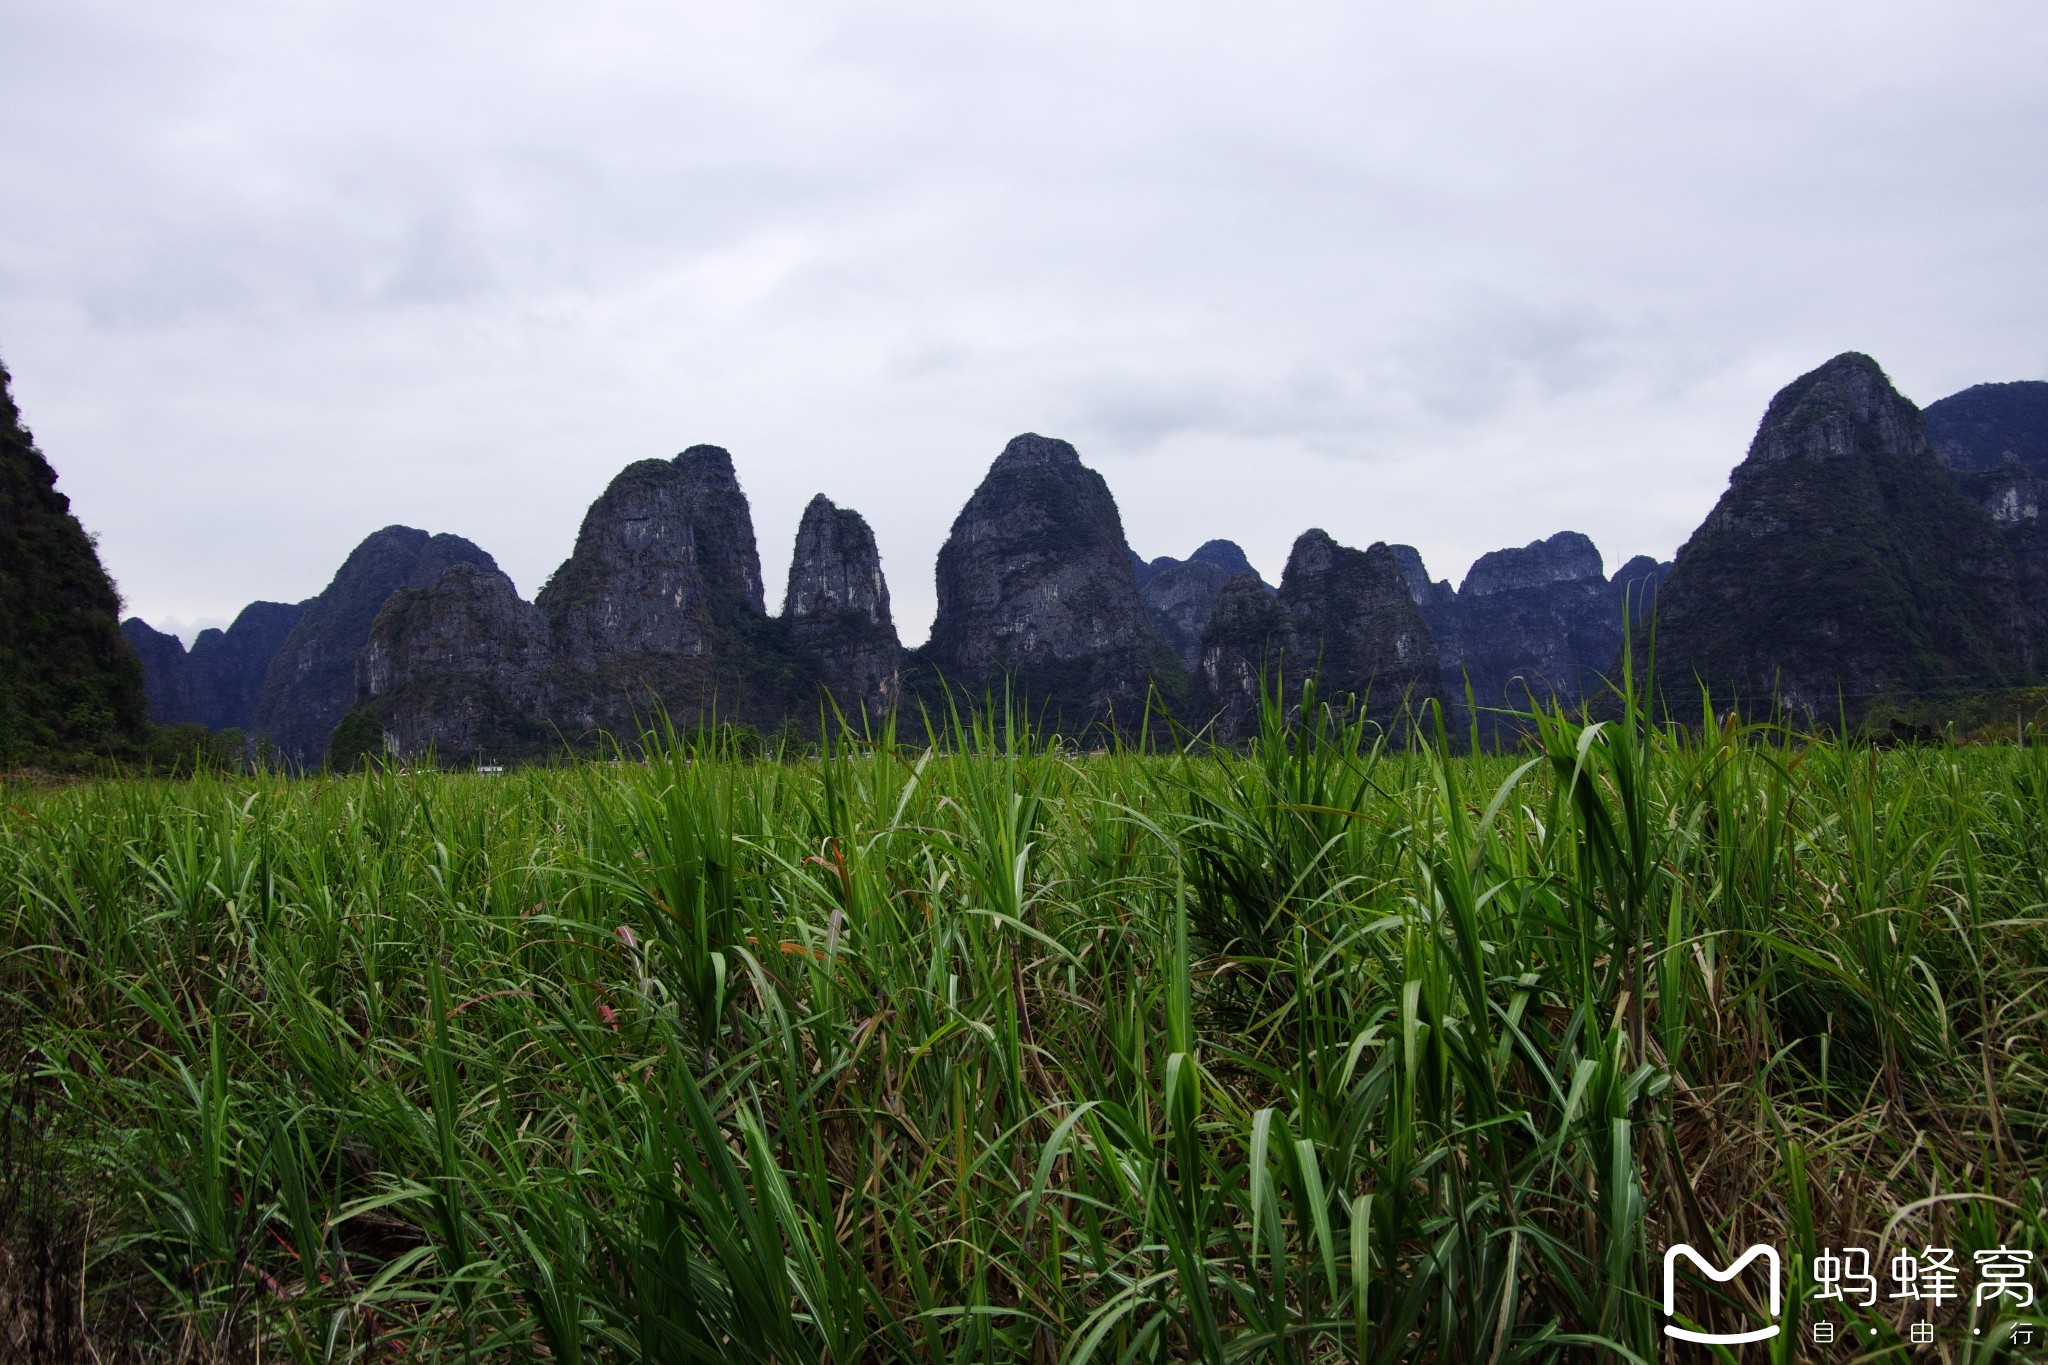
(660, 606)
(1035, 584)
(1242, 648)
(1989, 424)
(1428, 593)
(311, 681)
(2012, 497)
(836, 609)
(69, 683)
(459, 667)
(1181, 594)
(1346, 615)
(1842, 565)
(1994, 439)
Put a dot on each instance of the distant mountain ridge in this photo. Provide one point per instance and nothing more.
(1987, 425)
(1541, 623)
(217, 682)
(1035, 589)
(1343, 615)
(1846, 561)
(1181, 594)
(311, 681)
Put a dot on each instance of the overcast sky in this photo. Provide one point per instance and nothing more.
(273, 275)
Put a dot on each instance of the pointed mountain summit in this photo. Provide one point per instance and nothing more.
(1427, 592)
(311, 681)
(1035, 583)
(1346, 616)
(1842, 564)
(69, 683)
(661, 604)
(837, 608)
(664, 561)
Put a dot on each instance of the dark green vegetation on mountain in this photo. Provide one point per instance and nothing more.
(459, 668)
(1987, 425)
(836, 608)
(1842, 567)
(1994, 438)
(69, 684)
(994, 1054)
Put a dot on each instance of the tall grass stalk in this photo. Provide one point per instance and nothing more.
(1334, 1048)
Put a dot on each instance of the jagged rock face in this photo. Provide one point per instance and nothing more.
(69, 683)
(1841, 565)
(1241, 649)
(1226, 555)
(458, 667)
(1540, 621)
(1141, 568)
(664, 559)
(1035, 582)
(1566, 557)
(229, 666)
(1346, 615)
(166, 672)
(660, 605)
(1988, 425)
(1181, 600)
(311, 681)
(2012, 497)
(1350, 614)
(1426, 592)
(1181, 594)
(1439, 604)
(837, 608)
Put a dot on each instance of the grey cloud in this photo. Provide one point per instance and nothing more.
(272, 277)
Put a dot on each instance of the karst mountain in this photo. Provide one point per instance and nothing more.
(1864, 554)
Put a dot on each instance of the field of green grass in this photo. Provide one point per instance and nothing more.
(1333, 1050)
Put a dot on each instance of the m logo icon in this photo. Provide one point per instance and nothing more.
(1770, 1258)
